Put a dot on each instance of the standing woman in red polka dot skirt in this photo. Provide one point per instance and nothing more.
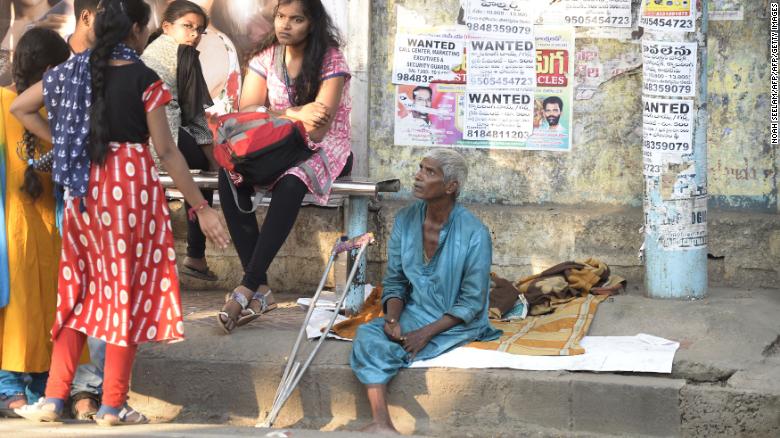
(117, 279)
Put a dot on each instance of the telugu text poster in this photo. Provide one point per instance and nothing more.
(587, 13)
(501, 19)
(669, 69)
(675, 15)
(554, 92)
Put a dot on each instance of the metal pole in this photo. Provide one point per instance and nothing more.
(357, 225)
(675, 244)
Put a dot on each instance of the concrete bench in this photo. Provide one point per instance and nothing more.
(357, 191)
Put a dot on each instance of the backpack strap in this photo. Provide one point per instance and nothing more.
(257, 198)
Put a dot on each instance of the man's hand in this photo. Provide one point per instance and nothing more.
(416, 340)
(393, 330)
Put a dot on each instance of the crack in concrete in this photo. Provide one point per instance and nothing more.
(772, 349)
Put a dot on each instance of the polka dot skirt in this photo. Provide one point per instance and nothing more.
(118, 279)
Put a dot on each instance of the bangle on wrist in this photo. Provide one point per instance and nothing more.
(192, 212)
(261, 109)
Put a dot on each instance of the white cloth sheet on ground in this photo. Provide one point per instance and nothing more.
(641, 353)
(323, 311)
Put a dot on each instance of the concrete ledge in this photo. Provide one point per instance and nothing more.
(724, 381)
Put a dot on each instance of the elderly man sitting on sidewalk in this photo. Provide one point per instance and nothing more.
(435, 287)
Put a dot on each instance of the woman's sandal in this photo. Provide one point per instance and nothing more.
(267, 304)
(107, 416)
(226, 320)
(42, 410)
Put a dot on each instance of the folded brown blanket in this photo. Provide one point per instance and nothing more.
(565, 281)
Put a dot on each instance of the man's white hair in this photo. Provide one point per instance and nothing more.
(453, 166)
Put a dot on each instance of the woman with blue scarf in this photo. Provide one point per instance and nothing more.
(117, 275)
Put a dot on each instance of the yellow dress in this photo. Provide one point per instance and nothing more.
(33, 259)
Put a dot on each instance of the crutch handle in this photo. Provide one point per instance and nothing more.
(354, 243)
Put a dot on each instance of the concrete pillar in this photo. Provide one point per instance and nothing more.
(675, 206)
(358, 37)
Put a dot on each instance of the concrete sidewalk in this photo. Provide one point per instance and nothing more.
(725, 380)
(25, 429)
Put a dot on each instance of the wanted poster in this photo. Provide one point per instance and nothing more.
(667, 132)
(423, 58)
(498, 116)
(501, 64)
(669, 68)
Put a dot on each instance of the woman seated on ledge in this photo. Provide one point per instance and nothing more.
(299, 73)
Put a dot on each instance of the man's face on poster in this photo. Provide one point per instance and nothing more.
(552, 113)
(422, 99)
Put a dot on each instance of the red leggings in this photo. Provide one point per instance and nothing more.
(65, 358)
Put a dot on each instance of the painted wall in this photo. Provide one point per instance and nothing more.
(604, 166)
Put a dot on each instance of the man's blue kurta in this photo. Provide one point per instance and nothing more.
(455, 281)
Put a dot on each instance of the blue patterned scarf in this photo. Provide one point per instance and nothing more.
(67, 93)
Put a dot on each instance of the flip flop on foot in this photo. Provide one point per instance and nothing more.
(107, 416)
(260, 303)
(201, 274)
(129, 415)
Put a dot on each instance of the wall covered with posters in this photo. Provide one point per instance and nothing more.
(600, 161)
(594, 155)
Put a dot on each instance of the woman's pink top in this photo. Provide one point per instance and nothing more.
(319, 171)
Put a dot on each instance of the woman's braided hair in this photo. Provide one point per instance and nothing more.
(38, 49)
(113, 22)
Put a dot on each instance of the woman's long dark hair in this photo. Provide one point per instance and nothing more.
(175, 10)
(37, 50)
(322, 36)
(113, 22)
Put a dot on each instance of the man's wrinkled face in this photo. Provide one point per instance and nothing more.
(429, 181)
(552, 112)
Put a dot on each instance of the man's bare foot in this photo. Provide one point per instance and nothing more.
(85, 409)
(383, 428)
(17, 403)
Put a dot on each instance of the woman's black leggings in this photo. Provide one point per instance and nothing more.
(257, 248)
(196, 159)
